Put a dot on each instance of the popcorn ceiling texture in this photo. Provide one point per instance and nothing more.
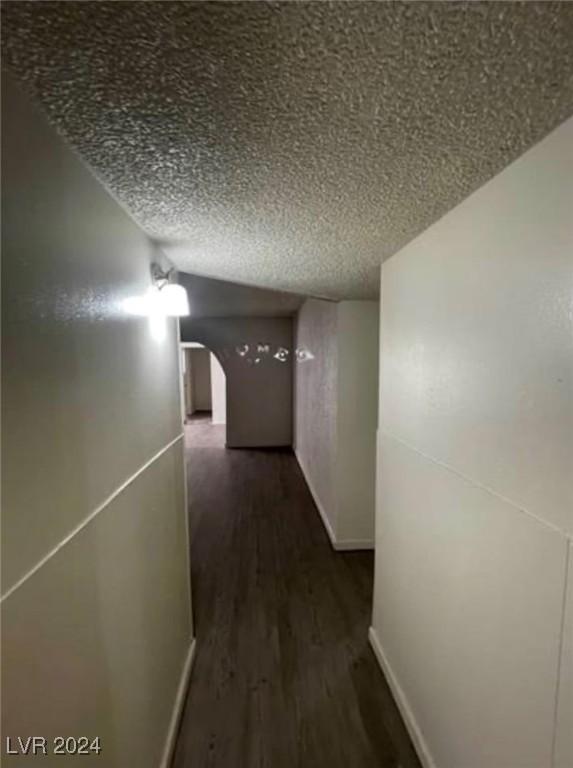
(294, 145)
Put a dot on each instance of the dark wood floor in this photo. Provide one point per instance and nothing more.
(283, 675)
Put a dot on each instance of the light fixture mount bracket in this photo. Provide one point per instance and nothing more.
(160, 276)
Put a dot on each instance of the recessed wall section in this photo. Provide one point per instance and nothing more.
(336, 382)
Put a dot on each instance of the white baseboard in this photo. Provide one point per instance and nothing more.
(416, 735)
(317, 501)
(339, 546)
(178, 708)
(349, 544)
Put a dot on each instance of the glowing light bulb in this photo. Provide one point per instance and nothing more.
(174, 300)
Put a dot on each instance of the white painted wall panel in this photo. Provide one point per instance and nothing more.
(477, 366)
(218, 392)
(357, 420)
(94, 639)
(468, 612)
(564, 730)
(94, 644)
(475, 505)
(89, 395)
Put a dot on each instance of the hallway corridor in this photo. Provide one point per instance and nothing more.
(283, 674)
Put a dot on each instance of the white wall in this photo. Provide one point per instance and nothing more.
(564, 724)
(218, 392)
(336, 414)
(474, 471)
(96, 620)
(358, 323)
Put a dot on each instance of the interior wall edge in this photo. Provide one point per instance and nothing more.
(317, 501)
(567, 597)
(418, 740)
(550, 628)
(340, 545)
(316, 403)
(356, 419)
(88, 519)
(347, 545)
(178, 706)
(180, 352)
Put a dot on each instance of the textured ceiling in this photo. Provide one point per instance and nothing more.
(294, 145)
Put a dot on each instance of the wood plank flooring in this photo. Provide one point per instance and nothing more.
(283, 675)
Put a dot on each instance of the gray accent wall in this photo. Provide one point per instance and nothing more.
(219, 298)
(336, 384)
(259, 394)
(199, 362)
(316, 398)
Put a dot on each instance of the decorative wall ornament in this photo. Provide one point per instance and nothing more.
(282, 354)
(303, 355)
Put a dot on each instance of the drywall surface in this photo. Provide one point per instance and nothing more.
(259, 394)
(218, 391)
(96, 618)
(474, 505)
(200, 374)
(94, 645)
(316, 399)
(336, 383)
(564, 729)
(357, 415)
(186, 376)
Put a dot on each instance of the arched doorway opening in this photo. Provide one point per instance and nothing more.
(204, 396)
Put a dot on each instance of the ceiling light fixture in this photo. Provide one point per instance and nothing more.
(171, 298)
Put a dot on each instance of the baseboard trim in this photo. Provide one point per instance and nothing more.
(416, 735)
(173, 729)
(350, 544)
(318, 503)
(339, 546)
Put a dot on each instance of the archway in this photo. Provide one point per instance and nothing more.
(204, 389)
